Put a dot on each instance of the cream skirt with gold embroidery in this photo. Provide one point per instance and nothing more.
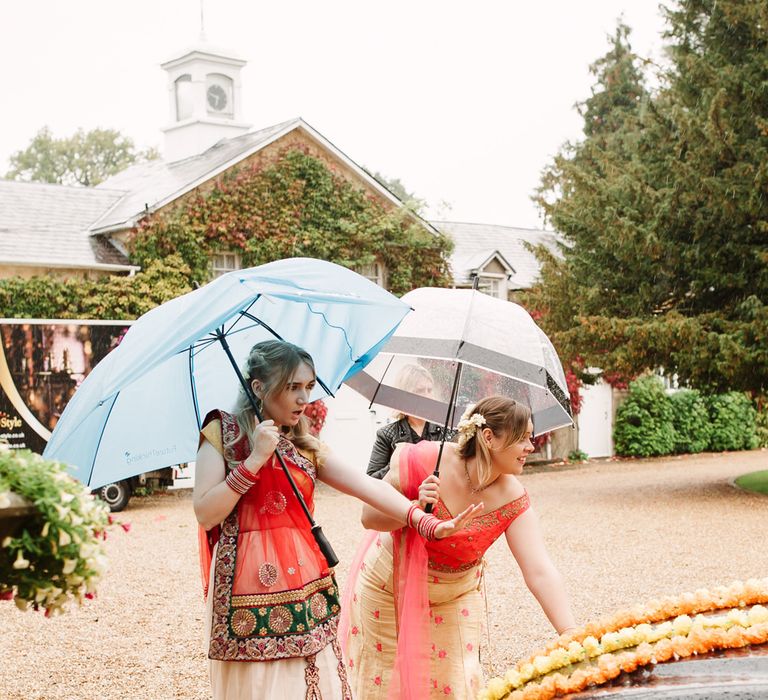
(318, 677)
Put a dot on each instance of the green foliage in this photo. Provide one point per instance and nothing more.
(108, 298)
(294, 206)
(663, 207)
(577, 456)
(87, 158)
(58, 555)
(733, 419)
(690, 419)
(644, 421)
(761, 422)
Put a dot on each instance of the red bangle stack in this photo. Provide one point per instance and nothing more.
(427, 526)
(240, 479)
(409, 517)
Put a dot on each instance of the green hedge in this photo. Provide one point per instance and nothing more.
(734, 425)
(644, 421)
(690, 419)
(652, 423)
(104, 298)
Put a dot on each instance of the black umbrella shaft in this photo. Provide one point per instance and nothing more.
(448, 421)
(322, 542)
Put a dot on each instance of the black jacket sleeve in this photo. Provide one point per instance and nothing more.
(381, 453)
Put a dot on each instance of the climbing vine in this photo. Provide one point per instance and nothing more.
(293, 206)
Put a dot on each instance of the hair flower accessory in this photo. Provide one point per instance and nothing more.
(468, 426)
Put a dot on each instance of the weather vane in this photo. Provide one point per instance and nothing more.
(202, 20)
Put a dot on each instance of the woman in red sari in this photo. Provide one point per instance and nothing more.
(272, 600)
(413, 610)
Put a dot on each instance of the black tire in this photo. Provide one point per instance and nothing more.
(115, 495)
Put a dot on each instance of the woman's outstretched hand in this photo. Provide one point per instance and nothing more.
(429, 491)
(448, 527)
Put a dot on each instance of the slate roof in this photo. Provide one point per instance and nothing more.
(153, 184)
(46, 225)
(473, 242)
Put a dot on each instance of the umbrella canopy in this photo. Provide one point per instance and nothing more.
(142, 406)
(496, 344)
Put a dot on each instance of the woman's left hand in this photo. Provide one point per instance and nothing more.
(447, 527)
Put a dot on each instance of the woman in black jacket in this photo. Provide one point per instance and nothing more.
(417, 380)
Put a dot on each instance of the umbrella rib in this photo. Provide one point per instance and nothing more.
(101, 435)
(195, 402)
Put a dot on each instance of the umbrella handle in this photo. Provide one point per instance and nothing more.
(324, 545)
(428, 506)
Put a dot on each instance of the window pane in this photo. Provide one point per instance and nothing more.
(183, 97)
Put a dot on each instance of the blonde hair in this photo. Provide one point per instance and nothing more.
(273, 363)
(506, 418)
(408, 379)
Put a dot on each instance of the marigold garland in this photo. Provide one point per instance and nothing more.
(654, 633)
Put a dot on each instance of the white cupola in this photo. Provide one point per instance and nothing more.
(204, 97)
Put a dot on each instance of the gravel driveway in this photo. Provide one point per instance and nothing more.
(620, 532)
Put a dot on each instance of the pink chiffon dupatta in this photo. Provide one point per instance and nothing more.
(410, 676)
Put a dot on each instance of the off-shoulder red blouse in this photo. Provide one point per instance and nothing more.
(465, 549)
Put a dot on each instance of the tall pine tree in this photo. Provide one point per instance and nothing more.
(665, 210)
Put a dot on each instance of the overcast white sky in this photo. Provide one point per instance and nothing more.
(465, 101)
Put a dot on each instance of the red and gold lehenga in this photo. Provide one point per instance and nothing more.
(408, 630)
(272, 602)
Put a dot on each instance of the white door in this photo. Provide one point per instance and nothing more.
(596, 420)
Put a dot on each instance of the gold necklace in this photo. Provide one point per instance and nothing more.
(469, 481)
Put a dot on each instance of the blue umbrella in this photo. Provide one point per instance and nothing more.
(141, 408)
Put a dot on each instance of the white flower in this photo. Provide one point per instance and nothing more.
(21, 562)
(64, 538)
(69, 566)
(468, 426)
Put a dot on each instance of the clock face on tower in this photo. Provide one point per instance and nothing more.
(217, 97)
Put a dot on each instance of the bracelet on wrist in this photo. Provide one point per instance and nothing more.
(409, 516)
(240, 479)
(427, 526)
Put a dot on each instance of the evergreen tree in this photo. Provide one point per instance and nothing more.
(665, 211)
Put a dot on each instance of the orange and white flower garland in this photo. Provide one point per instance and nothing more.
(661, 630)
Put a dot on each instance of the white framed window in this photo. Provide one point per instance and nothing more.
(373, 272)
(493, 285)
(223, 262)
(184, 97)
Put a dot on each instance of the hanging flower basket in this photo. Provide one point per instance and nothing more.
(14, 512)
(51, 546)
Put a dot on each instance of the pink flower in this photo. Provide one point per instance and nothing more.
(470, 647)
(465, 612)
(438, 619)
(447, 690)
(378, 646)
(355, 630)
(351, 663)
(377, 680)
(442, 654)
(376, 614)
(126, 526)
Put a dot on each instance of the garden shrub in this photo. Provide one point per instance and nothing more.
(690, 419)
(644, 422)
(733, 422)
(761, 421)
